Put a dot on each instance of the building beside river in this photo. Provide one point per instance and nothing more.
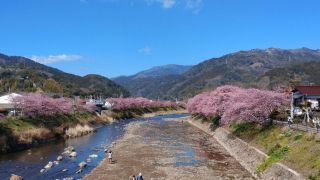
(6, 101)
(7, 104)
(302, 95)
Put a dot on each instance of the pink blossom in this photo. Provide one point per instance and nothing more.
(139, 102)
(33, 104)
(233, 103)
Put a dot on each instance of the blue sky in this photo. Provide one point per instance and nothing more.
(122, 37)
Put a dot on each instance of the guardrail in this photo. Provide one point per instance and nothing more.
(300, 127)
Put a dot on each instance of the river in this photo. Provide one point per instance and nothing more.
(28, 163)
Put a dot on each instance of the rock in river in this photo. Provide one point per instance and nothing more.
(73, 154)
(82, 165)
(68, 178)
(70, 148)
(79, 171)
(49, 165)
(93, 156)
(59, 158)
(15, 177)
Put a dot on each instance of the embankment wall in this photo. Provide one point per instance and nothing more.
(247, 155)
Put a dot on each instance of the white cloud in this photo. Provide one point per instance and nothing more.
(168, 3)
(164, 3)
(145, 50)
(194, 5)
(55, 58)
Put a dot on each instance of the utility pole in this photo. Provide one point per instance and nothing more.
(292, 106)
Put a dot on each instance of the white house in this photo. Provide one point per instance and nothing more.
(107, 105)
(303, 94)
(6, 101)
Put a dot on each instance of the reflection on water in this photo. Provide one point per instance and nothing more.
(28, 163)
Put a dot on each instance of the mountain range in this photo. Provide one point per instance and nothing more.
(261, 68)
(20, 74)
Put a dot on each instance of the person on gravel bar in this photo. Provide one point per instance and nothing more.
(110, 156)
(140, 177)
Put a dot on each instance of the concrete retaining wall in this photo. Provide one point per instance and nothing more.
(248, 156)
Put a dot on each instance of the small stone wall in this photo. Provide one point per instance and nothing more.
(248, 156)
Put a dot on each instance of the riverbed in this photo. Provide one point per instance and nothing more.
(28, 163)
(168, 149)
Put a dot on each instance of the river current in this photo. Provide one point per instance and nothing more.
(28, 163)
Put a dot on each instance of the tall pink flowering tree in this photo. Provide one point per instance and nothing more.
(233, 103)
(34, 104)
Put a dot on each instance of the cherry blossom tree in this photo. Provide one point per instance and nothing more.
(233, 103)
(34, 104)
(2, 116)
(139, 102)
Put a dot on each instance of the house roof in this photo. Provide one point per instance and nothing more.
(7, 99)
(308, 90)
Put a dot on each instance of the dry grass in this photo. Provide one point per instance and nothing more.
(29, 135)
(79, 130)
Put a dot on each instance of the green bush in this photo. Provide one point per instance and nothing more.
(245, 129)
(275, 154)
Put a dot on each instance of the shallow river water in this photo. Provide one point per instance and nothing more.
(28, 163)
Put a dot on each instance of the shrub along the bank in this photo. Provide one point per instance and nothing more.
(234, 104)
(140, 102)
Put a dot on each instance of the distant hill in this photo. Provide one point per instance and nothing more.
(22, 74)
(143, 82)
(159, 71)
(302, 73)
(243, 68)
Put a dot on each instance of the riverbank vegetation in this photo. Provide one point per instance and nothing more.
(17, 133)
(248, 114)
(40, 118)
(299, 150)
(124, 108)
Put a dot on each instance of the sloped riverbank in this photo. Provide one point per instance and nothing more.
(248, 156)
(19, 133)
